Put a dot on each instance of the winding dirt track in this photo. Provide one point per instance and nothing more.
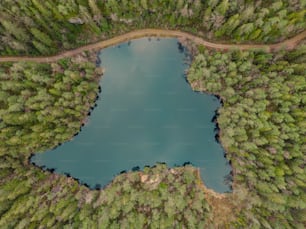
(287, 44)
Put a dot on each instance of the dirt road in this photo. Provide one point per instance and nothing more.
(287, 44)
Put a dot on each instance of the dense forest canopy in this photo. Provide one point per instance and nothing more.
(38, 98)
(35, 27)
(262, 121)
(262, 125)
(44, 105)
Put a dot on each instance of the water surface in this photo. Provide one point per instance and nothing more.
(147, 114)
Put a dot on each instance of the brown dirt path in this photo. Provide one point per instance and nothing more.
(287, 44)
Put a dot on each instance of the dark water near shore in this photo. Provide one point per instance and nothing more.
(146, 113)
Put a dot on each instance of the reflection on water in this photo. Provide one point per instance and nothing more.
(147, 114)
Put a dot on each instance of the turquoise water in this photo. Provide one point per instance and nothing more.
(146, 113)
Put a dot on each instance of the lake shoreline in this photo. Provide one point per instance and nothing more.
(98, 61)
(288, 44)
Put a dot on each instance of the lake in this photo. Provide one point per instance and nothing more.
(146, 113)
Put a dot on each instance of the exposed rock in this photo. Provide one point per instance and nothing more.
(99, 70)
(144, 178)
(127, 21)
(114, 17)
(76, 20)
(89, 197)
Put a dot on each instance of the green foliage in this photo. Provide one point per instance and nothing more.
(262, 127)
(37, 114)
(262, 121)
(48, 108)
(46, 27)
(53, 201)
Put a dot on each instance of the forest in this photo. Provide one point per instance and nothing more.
(262, 120)
(44, 105)
(35, 27)
(262, 123)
